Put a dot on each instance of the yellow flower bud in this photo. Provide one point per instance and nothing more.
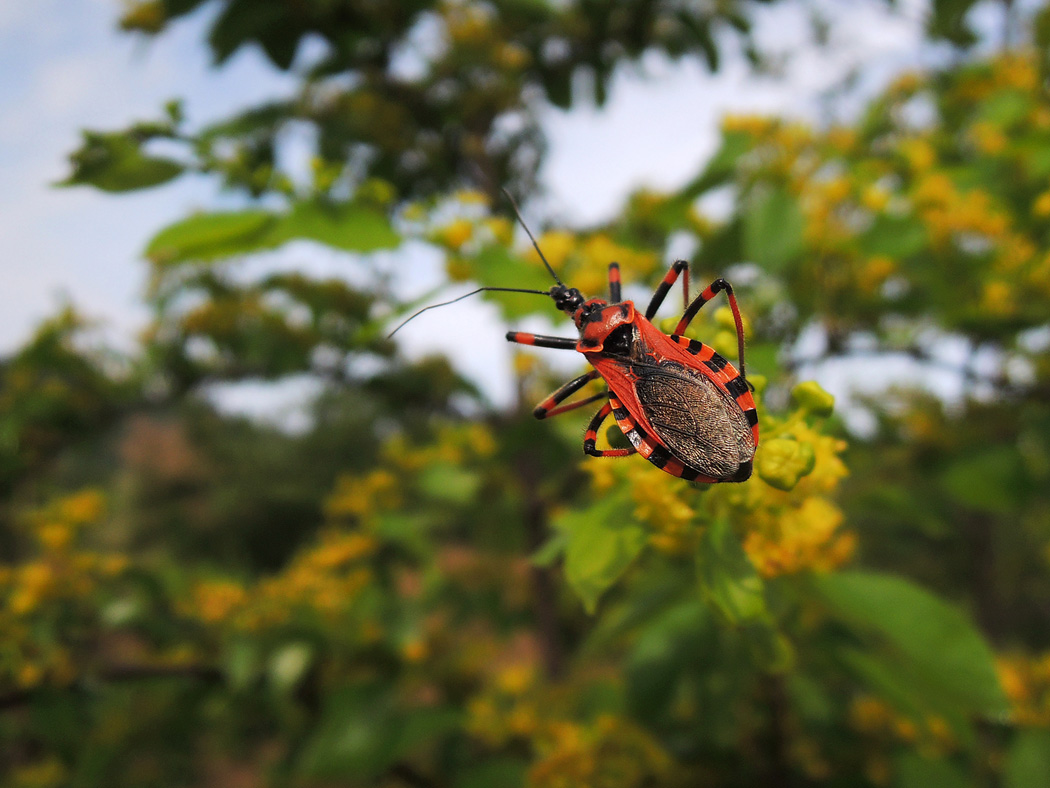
(782, 462)
(811, 398)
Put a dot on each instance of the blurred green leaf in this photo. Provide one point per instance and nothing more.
(207, 236)
(721, 167)
(551, 550)
(934, 638)
(1006, 107)
(773, 228)
(1028, 759)
(896, 237)
(915, 771)
(347, 226)
(114, 162)
(986, 481)
(495, 773)
(603, 540)
(728, 579)
(241, 663)
(289, 665)
(218, 235)
(363, 732)
(449, 483)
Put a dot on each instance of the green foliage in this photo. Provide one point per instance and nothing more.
(599, 546)
(415, 588)
(925, 650)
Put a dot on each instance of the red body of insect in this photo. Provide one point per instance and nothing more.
(681, 405)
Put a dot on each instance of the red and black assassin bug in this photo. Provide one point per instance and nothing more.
(681, 405)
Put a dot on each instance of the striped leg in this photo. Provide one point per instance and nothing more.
(615, 296)
(712, 290)
(590, 438)
(680, 267)
(538, 340)
(547, 408)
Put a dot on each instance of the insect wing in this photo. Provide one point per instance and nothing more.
(698, 422)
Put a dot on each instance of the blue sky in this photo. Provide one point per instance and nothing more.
(64, 66)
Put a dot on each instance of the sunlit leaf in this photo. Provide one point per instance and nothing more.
(208, 236)
(603, 541)
(773, 228)
(728, 579)
(1028, 759)
(932, 638)
(116, 163)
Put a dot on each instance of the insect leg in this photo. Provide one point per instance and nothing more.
(615, 296)
(679, 267)
(538, 340)
(547, 408)
(712, 290)
(590, 438)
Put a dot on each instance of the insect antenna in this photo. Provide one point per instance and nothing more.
(467, 295)
(536, 246)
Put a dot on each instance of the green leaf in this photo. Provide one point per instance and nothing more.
(986, 481)
(207, 236)
(666, 646)
(354, 228)
(728, 579)
(289, 664)
(1006, 107)
(897, 237)
(1028, 759)
(550, 551)
(915, 771)
(357, 735)
(211, 236)
(602, 542)
(241, 663)
(449, 483)
(497, 266)
(362, 733)
(931, 639)
(773, 227)
(722, 165)
(495, 773)
(947, 20)
(115, 163)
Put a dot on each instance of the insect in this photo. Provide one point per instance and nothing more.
(682, 406)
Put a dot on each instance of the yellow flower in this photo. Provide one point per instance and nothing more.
(456, 234)
(54, 537)
(84, 507)
(515, 679)
(30, 674)
(1041, 206)
(501, 228)
(361, 497)
(919, 154)
(874, 272)
(755, 125)
(988, 137)
(414, 650)
(875, 198)
(216, 601)
(512, 56)
(998, 298)
(556, 246)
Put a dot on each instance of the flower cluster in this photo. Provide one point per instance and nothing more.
(323, 582)
(1026, 680)
(47, 599)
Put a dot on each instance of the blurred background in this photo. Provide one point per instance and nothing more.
(246, 539)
